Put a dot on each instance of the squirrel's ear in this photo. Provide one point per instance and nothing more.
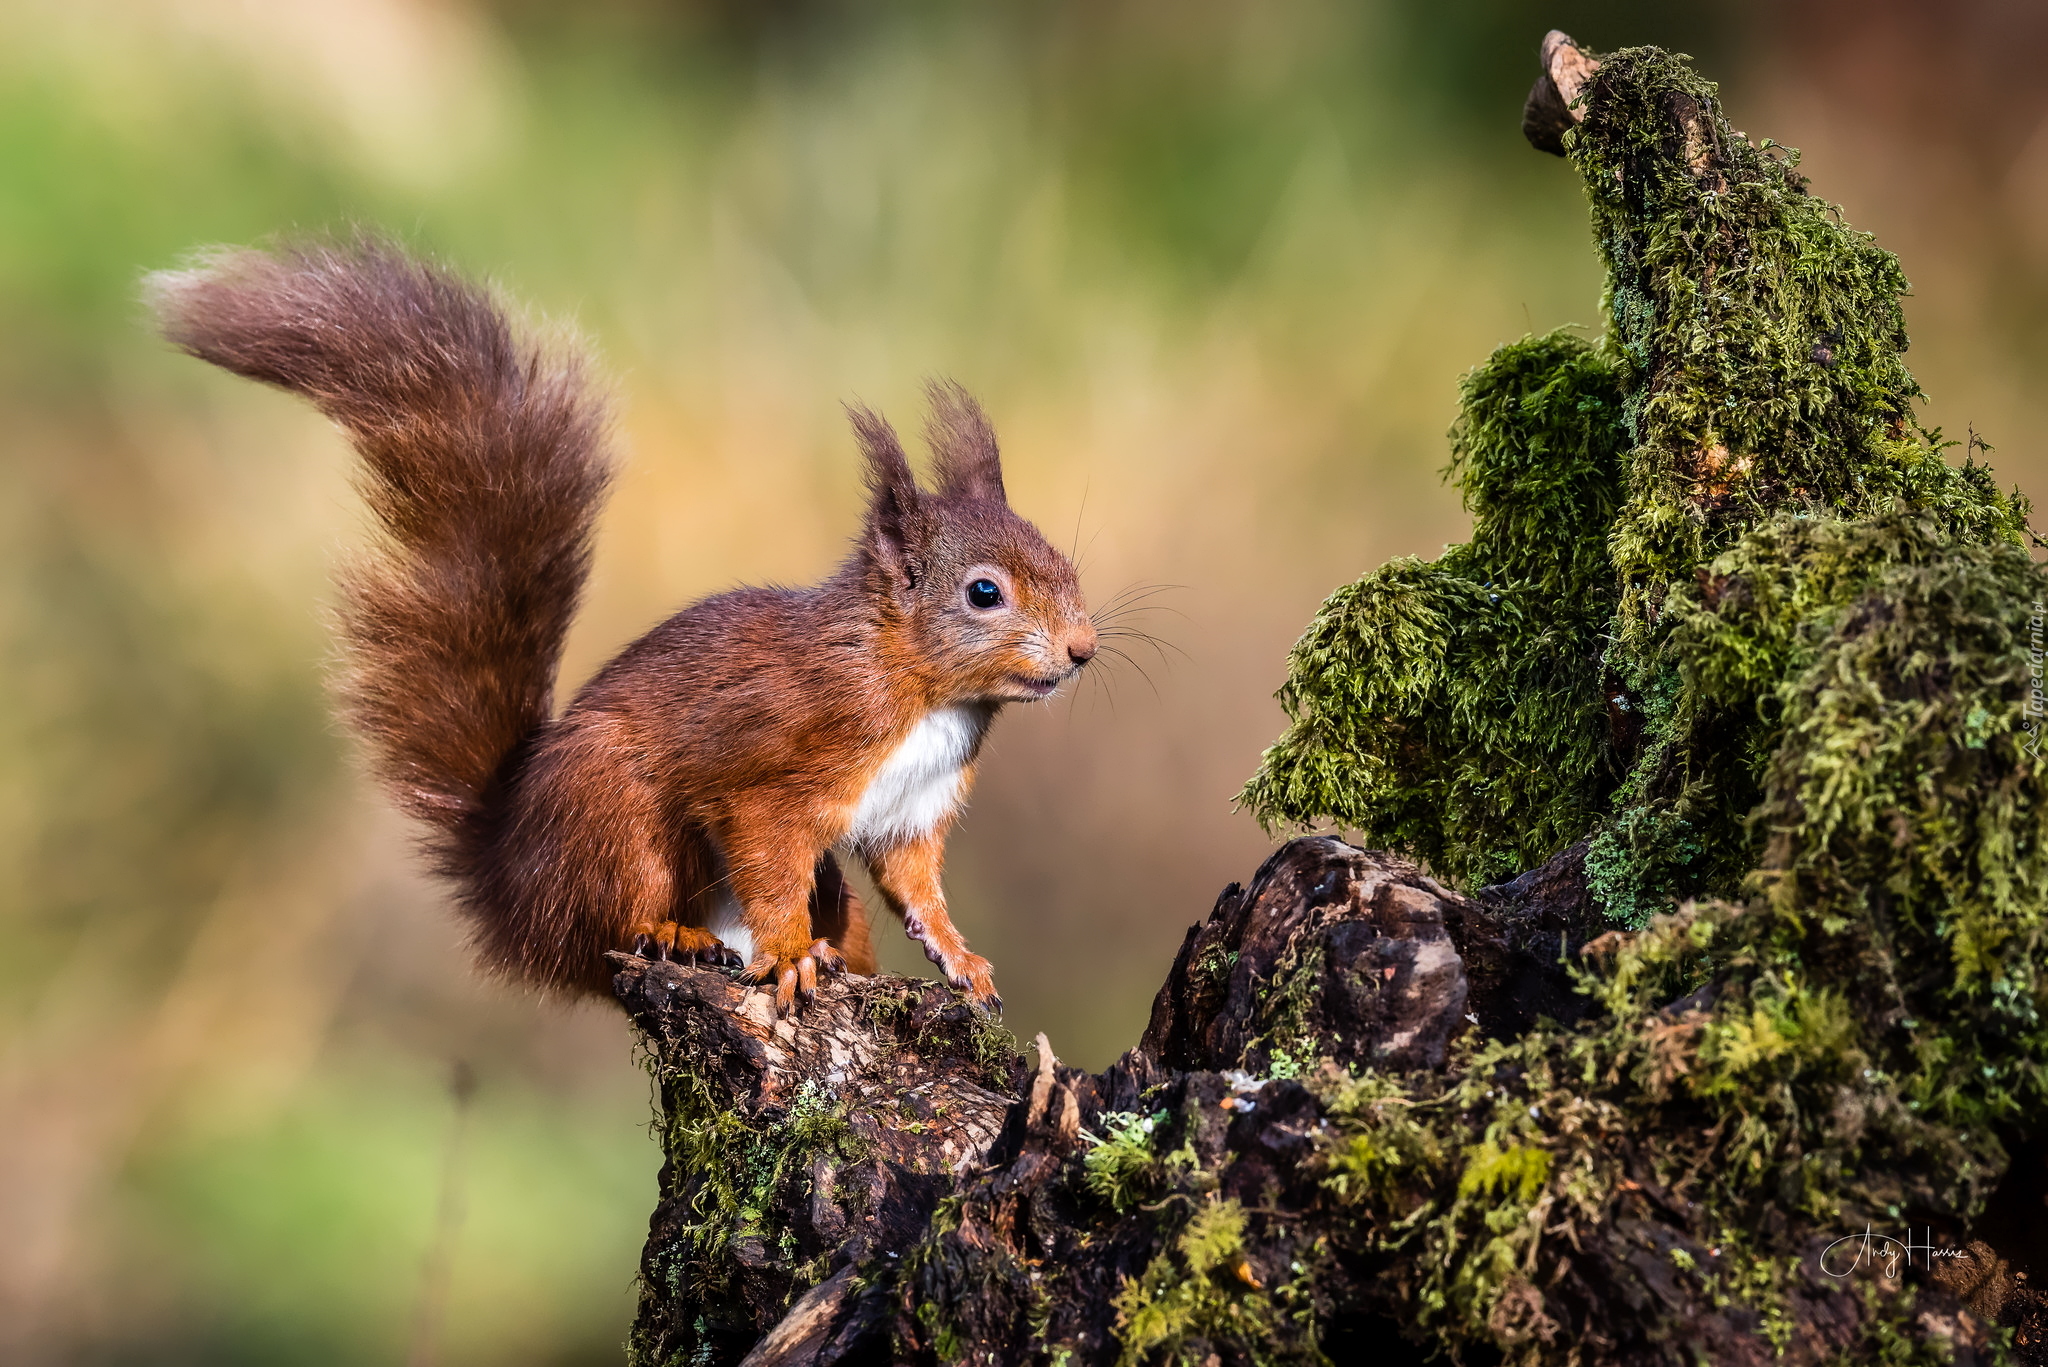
(963, 444)
(896, 513)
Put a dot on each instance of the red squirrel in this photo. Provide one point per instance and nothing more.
(688, 800)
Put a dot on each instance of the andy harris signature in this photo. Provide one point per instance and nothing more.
(1871, 1249)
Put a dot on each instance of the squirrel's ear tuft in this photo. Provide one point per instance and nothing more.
(896, 513)
(963, 444)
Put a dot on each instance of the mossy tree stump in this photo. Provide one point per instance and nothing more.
(1748, 1066)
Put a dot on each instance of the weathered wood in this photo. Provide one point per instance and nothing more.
(797, 1149)
(942, 1206)
(1551, 107)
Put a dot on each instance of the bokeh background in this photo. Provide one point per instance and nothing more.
(1215, 266)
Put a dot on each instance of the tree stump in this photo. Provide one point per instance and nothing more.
(884, 1180)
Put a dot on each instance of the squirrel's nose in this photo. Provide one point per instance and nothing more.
(1081, 652)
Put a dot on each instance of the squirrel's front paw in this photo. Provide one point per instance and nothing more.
(974, 976)
(682, 944)
(794, 972)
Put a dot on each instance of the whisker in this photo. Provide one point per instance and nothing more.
(1128, 630)
(1119, 619)
(1158, 644)
(1110, 619)
(1160, 650)
(1127, 659)
(1101, 680)
(1142, 586)
(1081, 558)
(1107, 683)
(1137, 593)
(1116, 613)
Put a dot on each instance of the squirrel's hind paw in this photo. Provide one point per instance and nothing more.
(795, 976)
(682, 944)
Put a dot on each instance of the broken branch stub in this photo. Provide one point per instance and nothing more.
(1553, 103)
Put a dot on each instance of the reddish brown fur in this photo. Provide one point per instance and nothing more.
(724, 750)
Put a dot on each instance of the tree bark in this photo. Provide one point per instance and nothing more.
(799, 1149)
(882, 1180)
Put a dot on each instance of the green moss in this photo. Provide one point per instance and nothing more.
(947, 1343)
(1128, 1164)
(1286, 1039)
(1122, 1165)
(1384, 1152)
(1871, 1021)
(1782, 664)
(977, 1037)
(1216, 965)
(1204, 1290)
(1514, 1174)
(956, 1272)
(741, 1175)
(1522, 691)
(1453, 708)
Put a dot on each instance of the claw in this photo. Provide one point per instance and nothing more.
(671, 942)
(985, 999)
(829, 960)
(972, 977)
(794, 976)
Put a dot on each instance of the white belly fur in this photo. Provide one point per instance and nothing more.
(729, 927)
(920, 784)
(916, 788)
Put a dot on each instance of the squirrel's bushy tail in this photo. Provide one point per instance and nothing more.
(484, 460)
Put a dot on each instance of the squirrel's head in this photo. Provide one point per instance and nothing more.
(991, 611)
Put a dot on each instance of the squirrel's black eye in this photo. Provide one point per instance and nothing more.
(983, 593)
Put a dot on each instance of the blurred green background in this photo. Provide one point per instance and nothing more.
(1215, 269)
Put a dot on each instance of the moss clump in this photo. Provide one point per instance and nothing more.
(1760, 340)
(1522, 691)
(976, 1038)
(1204, 1289)
(1782, 663)
(1857, 1040)
(740, 1175)
(1122, 1165)
(1454, 708)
